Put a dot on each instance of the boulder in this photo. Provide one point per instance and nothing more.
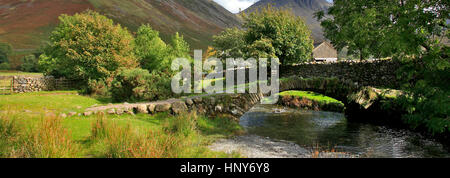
(142, 109)
(163, 107)
(70, 114)
(120, 111)
(87, 113)
(189, 102)
(111, 111)
(218, 108)
(179, 107)
(198, 100)
(151, 108)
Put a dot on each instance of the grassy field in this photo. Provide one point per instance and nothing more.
(30, 127)
(18, 73)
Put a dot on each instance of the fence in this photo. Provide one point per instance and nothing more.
(23, 84)
(64, 84)
(6, 85)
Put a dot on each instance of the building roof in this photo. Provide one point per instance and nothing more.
(325, 50)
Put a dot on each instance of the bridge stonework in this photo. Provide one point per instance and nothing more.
(338, 80)
(377, 73)
(229, 105)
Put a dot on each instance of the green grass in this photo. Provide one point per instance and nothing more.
(40, 127)
(18, 73)
(310, 95)
(57, 102)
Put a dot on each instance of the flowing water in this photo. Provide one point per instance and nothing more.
(331, 132)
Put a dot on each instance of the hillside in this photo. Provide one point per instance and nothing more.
(303, 8)
(26, 24)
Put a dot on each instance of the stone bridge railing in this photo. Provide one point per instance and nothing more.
(337, 80)
(229, 105)
(377, 73)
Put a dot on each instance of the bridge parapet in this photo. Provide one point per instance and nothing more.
(377, 73)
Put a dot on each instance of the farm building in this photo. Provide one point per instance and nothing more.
(325, 52)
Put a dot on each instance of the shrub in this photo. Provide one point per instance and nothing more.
(150, 49)
(98, 88)
(5, 66)
(30, 64)
(139, 84)
(5, 51)
(88, 46)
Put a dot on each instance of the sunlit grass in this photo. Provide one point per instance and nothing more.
(18, 73)
(310, 95)
(141, 135)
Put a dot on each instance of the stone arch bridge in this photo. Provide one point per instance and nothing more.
(337, 80)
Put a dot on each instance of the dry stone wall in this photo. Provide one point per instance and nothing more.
(229, 105)
(32, 84)
(22, 84)
(377, 73)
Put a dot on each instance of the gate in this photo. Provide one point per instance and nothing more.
(6, 85)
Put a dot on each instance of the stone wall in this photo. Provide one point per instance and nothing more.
(32, 84)
(378, 73)
(23, 84)
(226, 105)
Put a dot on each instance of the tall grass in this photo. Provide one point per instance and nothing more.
(175, 137)
(49, 139)
(125, 142)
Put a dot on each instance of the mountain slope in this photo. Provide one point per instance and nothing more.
(302, 8)
(26, 24)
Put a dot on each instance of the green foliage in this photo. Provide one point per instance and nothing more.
(427, 102)
(150, 49)
(154, 54)
(231, 43)
(88, 46)
(30, 64)
(268, 33)
(5, 66)
(139, 85)
(5, 52)
(286, 33)
(179, 47)
(385, 28)
(98, 87)
(411, 31)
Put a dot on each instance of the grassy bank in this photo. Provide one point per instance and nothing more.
(310, 95)
(310, 100)
(18, 73)
(30, 128)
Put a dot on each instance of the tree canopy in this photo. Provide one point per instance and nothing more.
(412, 31)
(88, 46)
(385, 28)
(269, 32)
(150, 49)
